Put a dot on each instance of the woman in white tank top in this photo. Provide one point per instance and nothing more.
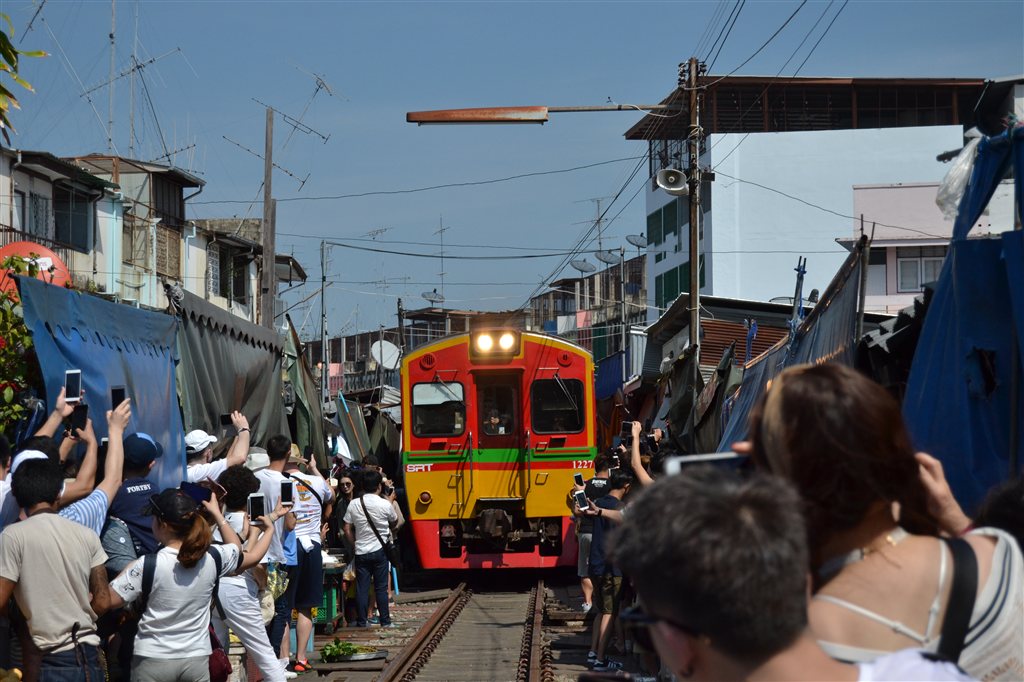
(882, 577)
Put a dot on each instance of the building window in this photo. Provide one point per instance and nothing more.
(917, 266)
(670, 218)
(213, 270)
(19, 210)
(234, 276)
(42, 216)
(557, 406)
(654, 236)
(136, 245)
(659, 292)
(71, 212)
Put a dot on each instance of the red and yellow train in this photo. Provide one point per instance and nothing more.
(495, 423)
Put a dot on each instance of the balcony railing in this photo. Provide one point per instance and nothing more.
(8, 235)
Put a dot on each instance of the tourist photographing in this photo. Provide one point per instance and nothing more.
(883, 579)
(173, 641)
(720, 567)
(368, 528)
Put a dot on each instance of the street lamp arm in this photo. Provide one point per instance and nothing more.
(517, 114)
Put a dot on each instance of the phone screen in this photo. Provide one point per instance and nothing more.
(578, 477)
(225, 420)
(615, 462)
(581, 499)
(287, 489)
(197, 492)
(73, 385)
(117, 396)
(79, 417)
(627, 427)
(255, 507)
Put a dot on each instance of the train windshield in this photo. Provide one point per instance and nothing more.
(557, 406)
(438, 409)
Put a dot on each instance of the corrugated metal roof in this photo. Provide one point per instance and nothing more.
(718, 334)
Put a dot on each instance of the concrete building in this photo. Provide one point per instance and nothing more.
(787, 153)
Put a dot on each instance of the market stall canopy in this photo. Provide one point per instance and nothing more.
(113, 345)
(227, 364)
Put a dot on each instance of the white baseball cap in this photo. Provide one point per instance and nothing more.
(257, 459)
(197, 441)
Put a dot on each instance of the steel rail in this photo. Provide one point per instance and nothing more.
(411, 659)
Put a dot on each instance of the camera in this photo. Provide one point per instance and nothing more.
(388, 489)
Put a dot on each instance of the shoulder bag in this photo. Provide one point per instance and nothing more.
(389, 547)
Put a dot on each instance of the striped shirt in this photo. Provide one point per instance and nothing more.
(90, 512)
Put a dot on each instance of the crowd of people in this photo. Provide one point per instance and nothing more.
(104, 575)
(827, 550)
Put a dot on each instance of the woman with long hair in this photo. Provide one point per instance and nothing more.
(174, 643)
(882, 576)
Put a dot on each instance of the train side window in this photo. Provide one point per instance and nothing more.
(438, 409)
(557, 406)
(497, 408)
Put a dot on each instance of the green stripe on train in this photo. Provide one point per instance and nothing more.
(501, 455)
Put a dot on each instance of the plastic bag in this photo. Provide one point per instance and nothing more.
(951, 191)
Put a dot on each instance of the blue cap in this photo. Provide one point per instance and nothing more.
(140, 450)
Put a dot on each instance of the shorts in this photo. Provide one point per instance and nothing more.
(309, 578)
(607, 593)
(583, 562)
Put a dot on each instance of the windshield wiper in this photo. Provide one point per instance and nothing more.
(565, 390)
(439, 380)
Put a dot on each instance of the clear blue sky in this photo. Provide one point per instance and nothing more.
(393, 57)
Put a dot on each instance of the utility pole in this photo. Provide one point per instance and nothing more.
(325, 368)
(401, 328)
(269, 283)
(110, 129)
(691, 71)
(622, 276)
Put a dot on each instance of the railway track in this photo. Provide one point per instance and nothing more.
(478, 637)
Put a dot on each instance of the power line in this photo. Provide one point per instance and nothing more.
(827, 210)
(465, 246)
(747, 60)
(432, 187)
(739, 8)
(441, 255)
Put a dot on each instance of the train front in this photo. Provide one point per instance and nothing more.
(495, 423)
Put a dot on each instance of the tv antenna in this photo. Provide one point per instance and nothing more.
(321, 83)
(442, 229)
(295, 123)
(301, 181)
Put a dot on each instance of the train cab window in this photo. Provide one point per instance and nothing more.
(557, 406)
(497, 408)
(438, 409)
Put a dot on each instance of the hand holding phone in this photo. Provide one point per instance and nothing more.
(581, 500)
(79, 418)
(73, 386)
(196, 492)
(287, 493)
(578, 478)
(256, 507)
(117, 396)
(614, 464)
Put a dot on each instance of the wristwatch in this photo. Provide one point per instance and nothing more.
(600, 512)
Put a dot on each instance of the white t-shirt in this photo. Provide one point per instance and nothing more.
(237, 520)
(177, 617)
(270, 486)
(910, 665)
(382, 514)
(306, 507)
(198, 472)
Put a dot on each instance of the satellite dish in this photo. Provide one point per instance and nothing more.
(433, 296)
(582, 265)
(637, 240)
(610, 257)
(386, 354)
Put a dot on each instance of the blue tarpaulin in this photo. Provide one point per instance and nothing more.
(825, 335)
(958, 404)
(113, 345)
(609, 376)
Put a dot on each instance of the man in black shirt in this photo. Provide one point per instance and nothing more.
(595, 489)
(607, 578)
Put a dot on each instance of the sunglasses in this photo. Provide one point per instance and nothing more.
(346, 485)
(641, 623)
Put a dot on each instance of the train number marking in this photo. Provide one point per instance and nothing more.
(412, 468)
(582, 464)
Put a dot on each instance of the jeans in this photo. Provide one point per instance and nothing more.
(375, 565)
(68, 666)
(283, 606)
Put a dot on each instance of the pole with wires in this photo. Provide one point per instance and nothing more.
(691, 72)
(325, 369)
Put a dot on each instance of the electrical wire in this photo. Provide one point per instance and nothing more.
(427, 189)
(448, 256)
(739, 8)
(747, 60)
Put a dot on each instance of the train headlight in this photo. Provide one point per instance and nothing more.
(425, 497)
(484, 342)
(506, 341)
